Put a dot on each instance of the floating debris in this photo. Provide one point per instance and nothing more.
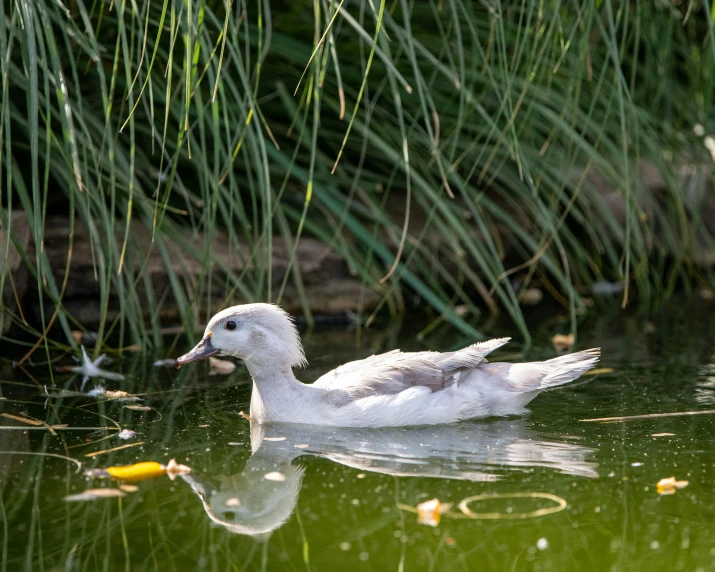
(669, 485)
(274, 476)
(563, 342)
(532, 297)
(95, 453)
(30, 421)
(94, 494)
(129, 473)
(606, 288)
(649, 416)
(429, 512)
(21, 419)
(706, 294)
(174, 469)
(428, 508)
(165, 363)
(140, 471)
(100, 391)
(599, 371)
(274, 439)
(126, 434)
(220, 366)
(663, 435)
(90, 369)
(138, 407)
(301, 445)
(88, 338)
(120, 396)
(129, 488)
(461, 310)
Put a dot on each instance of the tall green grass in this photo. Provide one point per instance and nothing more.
(441, 148)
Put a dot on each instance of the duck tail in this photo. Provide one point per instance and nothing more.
(566, 368)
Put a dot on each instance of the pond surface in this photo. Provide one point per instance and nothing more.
(310, 498)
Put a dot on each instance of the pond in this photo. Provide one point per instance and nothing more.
(554, 492)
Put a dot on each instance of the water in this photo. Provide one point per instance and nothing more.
(339, 499)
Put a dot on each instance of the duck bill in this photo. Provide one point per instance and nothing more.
(202, 350)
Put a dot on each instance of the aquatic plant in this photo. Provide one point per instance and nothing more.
(450, 152)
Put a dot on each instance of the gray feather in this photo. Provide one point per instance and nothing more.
(393, 372)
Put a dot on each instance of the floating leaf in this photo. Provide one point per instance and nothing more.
(563, 342)
(140, 471)
(220, 366)
(94, 494)
(669, 485)
(130, 473)
(429, 512)
(532, 297)
(174, 469)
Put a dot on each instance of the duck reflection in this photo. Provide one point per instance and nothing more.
(261, 498)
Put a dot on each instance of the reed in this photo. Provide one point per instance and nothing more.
(447, 151)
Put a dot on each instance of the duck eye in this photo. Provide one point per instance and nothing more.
(230, 325)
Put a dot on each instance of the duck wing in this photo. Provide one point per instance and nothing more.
(395, 371)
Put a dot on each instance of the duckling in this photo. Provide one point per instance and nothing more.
(387, 390)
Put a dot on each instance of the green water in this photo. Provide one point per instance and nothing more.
(337, 506)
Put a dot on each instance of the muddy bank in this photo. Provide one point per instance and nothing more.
(329, 288)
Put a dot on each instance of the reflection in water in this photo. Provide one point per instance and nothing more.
(250, 503)
(705, 387)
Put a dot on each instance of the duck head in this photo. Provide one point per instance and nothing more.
(256, 333)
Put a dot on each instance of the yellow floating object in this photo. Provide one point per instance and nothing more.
(137, 472)
(140, 471)
(668, 485)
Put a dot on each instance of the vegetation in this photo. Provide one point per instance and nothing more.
(446, 150)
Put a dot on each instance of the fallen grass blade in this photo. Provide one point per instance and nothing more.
(650, 416)
(119, 447)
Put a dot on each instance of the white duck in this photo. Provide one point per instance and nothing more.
(387, 390)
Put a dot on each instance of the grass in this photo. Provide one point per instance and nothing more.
(443, 150)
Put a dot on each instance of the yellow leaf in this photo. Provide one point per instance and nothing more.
(669, 485)
(562, 342)
(429, 512)
(140, 471)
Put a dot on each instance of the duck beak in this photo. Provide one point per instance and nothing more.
(202, 350)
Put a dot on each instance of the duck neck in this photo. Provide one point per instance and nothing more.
(276, 392)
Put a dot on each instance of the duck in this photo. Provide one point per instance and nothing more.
(393, 389)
